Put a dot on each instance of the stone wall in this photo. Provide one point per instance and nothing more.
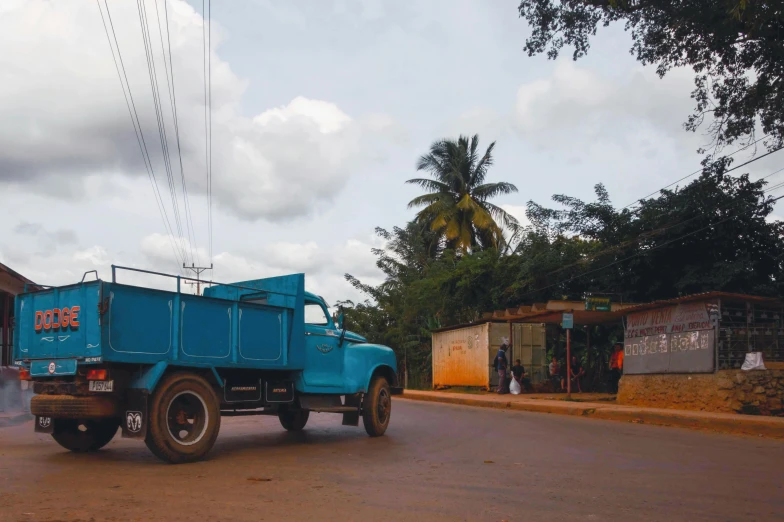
(758, 392)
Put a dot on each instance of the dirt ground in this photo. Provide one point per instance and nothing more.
(437, 462)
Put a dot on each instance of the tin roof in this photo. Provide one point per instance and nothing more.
(707, 296)
(552, 311)
(12, 281)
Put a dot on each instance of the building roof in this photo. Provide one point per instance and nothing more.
(707, 296)
(13, 282)
(552, 311)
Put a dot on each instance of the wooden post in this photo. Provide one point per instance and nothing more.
(568, 363)
(588, 345)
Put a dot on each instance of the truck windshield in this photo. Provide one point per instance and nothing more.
(314, 314)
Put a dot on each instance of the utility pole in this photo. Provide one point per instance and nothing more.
(197, 270)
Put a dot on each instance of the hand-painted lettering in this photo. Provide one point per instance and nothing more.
(75, 316)
(48, 320)
(57, 318)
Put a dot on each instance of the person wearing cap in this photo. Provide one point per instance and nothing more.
(616, 367)
(500, 363)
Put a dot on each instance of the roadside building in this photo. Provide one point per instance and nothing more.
(462, 355)
(687, 353)
(11, 285)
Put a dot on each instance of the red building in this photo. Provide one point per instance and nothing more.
(11, 284)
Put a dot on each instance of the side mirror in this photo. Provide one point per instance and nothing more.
(341, 321)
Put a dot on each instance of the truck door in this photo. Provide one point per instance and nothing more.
(324, 359)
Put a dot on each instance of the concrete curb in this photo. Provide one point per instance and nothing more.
(770, 427)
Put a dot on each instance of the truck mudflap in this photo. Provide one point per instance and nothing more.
(135, 417)
(396, 390)
(44, 424)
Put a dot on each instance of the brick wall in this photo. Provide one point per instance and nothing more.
(758, 392)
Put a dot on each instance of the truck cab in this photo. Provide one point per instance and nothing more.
(166, 366)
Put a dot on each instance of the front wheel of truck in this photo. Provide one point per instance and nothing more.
(377, 407)
(184, 419)
(84, 435)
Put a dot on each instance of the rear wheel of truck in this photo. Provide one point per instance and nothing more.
(83, 435)
(293, 420)
(184, 419)
(377, 407)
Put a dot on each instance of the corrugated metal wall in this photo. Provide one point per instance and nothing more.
(528, 345)
(461, 357)
(464, 356)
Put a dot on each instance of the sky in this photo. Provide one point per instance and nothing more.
(319, 111)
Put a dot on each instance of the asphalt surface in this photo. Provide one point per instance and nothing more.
(437, 462)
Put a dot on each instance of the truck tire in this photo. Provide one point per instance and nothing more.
(84, 435)
(293, 420)
(184, 419)
(377, 407)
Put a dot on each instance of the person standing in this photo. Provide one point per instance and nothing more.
(501, 363)
(518, 374)
(616, 367)
(555, 374)
(577, 373)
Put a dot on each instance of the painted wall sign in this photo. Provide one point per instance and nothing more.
(685, 317)
(675, 339)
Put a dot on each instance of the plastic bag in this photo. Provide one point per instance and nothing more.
(514, 387)
(753, 362)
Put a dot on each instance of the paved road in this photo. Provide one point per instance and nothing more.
(438, 462)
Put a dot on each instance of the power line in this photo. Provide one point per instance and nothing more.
(650, 233)
(702, 170)
(173, 102)
(149, 53)
(137, 128)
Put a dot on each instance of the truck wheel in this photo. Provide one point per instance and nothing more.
(184, 419)
(377, 407)
(84, 435)
(293, 420)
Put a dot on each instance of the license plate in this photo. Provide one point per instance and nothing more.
(101, 386)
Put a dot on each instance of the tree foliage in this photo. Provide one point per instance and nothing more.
(736, 48)
(457, 205)
(714, 234)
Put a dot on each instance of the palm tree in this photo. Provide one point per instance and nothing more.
(457, 205)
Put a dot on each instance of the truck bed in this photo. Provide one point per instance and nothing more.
(258, 326)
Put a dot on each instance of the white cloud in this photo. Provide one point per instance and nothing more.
(294, 257)
(326, 116)
(64, 117)
(323, 267)
(95, 256)
(579, 109)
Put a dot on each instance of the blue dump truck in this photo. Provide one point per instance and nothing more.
(165, 366)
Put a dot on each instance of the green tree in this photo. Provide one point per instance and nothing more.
(457, 204)
(736, 48)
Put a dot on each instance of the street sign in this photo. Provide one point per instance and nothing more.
(598, 304)
(567, 321)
